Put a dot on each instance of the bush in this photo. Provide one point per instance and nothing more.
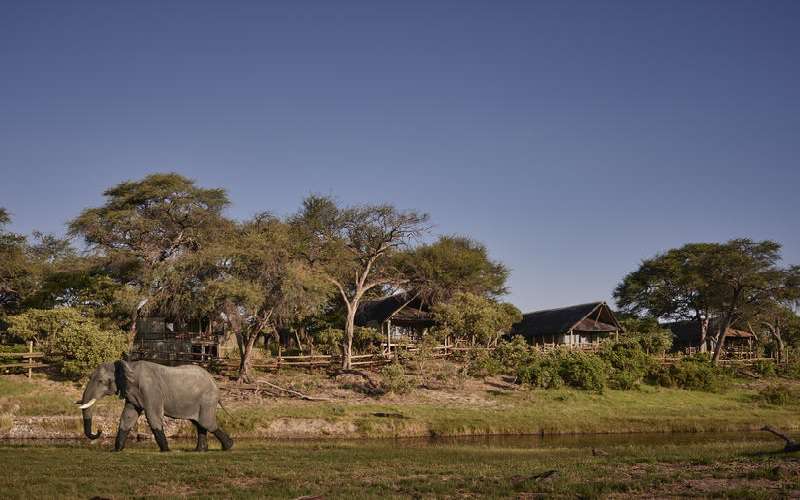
(512, 354)
(482, 363)
(648, 333)
(696, 372)
(563, 367)
(329, 341)
(790, 370)
(540, 371)
(779, 395)
(73, 341)
(624, 381)
(366, 339)
(764, 368)
(81, 350)
(629, 363)
(584, 371)
(393, 379)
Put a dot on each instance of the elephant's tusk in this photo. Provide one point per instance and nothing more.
(86, 405)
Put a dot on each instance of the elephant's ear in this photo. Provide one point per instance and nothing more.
(123, 378)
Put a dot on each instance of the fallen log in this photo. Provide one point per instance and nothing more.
(292, 392)
(791, 444)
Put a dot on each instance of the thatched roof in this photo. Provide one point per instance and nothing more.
(591, 317)
(401, 306)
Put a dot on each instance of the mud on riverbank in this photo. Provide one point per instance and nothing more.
(41, 408)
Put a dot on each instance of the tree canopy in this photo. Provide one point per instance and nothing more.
(352, 248)
(729, 282)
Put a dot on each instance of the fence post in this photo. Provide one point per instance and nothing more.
(30, 358)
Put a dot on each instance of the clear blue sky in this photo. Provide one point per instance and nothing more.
(573, 138)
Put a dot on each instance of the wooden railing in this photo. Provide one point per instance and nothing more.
(28, 360)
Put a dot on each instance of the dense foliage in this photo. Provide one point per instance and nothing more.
(76, 343)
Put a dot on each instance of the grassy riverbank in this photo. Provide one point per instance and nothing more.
(44, 409)
(391, 469)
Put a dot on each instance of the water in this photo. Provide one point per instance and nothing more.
(511, 441)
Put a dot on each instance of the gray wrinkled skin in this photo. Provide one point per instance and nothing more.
(185, 392)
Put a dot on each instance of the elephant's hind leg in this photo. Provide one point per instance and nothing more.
(224, 439)
(202, 437)
(208, 419)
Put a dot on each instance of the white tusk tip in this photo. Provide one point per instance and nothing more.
(86, 405)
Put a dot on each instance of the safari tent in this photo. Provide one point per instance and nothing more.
(402, 318)
(582, 325)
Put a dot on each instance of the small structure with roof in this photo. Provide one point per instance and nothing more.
(402, 318)
(172, 341)
(739, 344)
(582, 325)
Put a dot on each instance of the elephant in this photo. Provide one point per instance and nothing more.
(186, 392)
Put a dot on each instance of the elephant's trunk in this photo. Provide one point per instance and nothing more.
(87, 424)
(86, 406)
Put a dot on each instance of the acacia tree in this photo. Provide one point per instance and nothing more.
(774, 312)
(671, 286)
(352, 248)
(452, 264)
(744, 278)
(726, 281)
(145, 226)
(252, 279)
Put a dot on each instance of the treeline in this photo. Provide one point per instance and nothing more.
(163, 246)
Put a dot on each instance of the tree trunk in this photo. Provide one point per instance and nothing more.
(246, 352)
(347, 342)
(297, 339)
(703, 334)
(132, 329)
(719, 341)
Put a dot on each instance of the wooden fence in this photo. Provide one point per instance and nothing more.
(30, 360)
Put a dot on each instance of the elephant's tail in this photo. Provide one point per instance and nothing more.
(219, 402)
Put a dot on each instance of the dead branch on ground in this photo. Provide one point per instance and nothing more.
(791, 444)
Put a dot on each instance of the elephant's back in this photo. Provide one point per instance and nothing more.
(189, 375)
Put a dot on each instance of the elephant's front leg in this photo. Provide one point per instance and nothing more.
(155, 418)
(126, 422)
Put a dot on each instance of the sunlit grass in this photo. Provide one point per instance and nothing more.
(389, 468)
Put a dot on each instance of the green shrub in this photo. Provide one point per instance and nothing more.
(540, 371)
(696, 372)
(764, 368)
(69, 339)
(584, 371)
(483, 363)
(394, 379)
(779, 395)
(629, 363)
(563, 367)
(624, 381)
(512, 354)
(648, 333)
(790, 370)
(329, 340)
(366, 340)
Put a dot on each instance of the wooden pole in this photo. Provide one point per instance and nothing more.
(30, 358)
